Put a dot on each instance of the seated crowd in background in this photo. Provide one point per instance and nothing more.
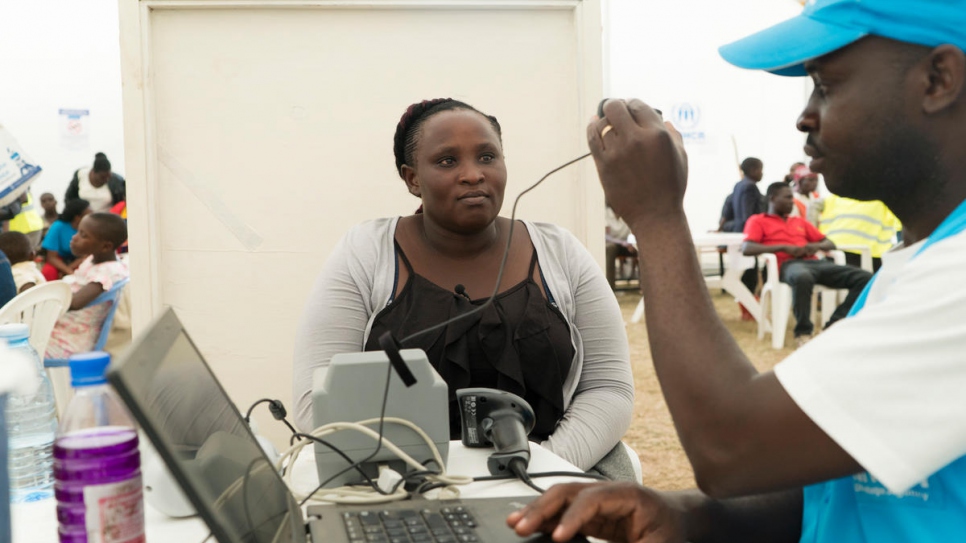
(40, 245)
(795, 243)
(849, 224)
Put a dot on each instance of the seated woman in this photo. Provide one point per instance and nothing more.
(554, 334)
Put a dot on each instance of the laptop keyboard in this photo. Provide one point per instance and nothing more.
(446, 525)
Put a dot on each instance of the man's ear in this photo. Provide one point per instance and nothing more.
(947, 71)
(412, 182)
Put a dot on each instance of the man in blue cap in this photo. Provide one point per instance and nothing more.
(860, 435)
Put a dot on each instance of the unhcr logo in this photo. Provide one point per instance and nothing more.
(686, 116)
(687, 119)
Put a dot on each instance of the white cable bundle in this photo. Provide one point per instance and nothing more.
(351, 495)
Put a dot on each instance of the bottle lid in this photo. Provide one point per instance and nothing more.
(14, 331)
(88, 369)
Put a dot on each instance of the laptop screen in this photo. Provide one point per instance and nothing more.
(203, 439)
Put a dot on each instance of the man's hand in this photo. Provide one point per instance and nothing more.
(797, 251)
(641, 161)
(622, 512)
(812, 248)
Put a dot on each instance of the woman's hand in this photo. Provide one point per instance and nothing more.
(641, 161)
(624, 512)
(54, 259)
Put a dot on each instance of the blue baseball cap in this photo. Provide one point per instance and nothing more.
(827, 25)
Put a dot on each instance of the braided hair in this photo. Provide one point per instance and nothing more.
(407, 131)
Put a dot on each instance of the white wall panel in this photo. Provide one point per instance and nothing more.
(264, 130)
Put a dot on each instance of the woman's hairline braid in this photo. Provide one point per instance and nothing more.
(405, 138)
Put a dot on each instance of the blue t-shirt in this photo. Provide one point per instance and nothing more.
(8, 288)
(859, 509)
(58, 240)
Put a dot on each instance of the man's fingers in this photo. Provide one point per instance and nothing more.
(617, 115)
(593, 138)
(674, 133)
(547, 507)
(643, 114)
(598, 503)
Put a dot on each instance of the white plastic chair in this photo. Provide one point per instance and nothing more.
(39, 308)
(776, 297)
(59, 366)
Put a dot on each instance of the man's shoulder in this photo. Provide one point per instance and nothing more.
(746, 185)
(797, 221)
(949, 253)
(760, 218)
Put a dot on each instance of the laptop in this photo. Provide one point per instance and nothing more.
(221, 468)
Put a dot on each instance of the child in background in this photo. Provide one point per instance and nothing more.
(96, 242)
(17, 247)
(49, 203)
(60, 260)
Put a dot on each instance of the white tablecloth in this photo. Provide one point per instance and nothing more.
(37, 522)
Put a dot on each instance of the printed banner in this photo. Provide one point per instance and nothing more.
(75, 129)
(16, 170)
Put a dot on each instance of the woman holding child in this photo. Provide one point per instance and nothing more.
(554, 334)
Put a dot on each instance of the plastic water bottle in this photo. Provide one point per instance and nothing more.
(97, 467)
(31, 423)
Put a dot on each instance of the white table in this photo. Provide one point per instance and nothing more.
(37, 522)
(730, 280)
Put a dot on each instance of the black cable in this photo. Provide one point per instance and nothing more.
(518, 467)
(346, 457)
(413, 475)
(278, 412)
(506, 254)
(544, 474)
(248, 414)
(295, 433)
(427, 486)
(382, 417)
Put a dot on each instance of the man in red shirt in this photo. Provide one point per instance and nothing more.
(795, 241)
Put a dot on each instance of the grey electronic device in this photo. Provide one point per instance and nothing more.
(499, 419)
(351, 389)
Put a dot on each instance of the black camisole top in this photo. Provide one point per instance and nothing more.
(520, 344)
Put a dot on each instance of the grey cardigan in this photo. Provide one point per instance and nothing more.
(356, 284)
